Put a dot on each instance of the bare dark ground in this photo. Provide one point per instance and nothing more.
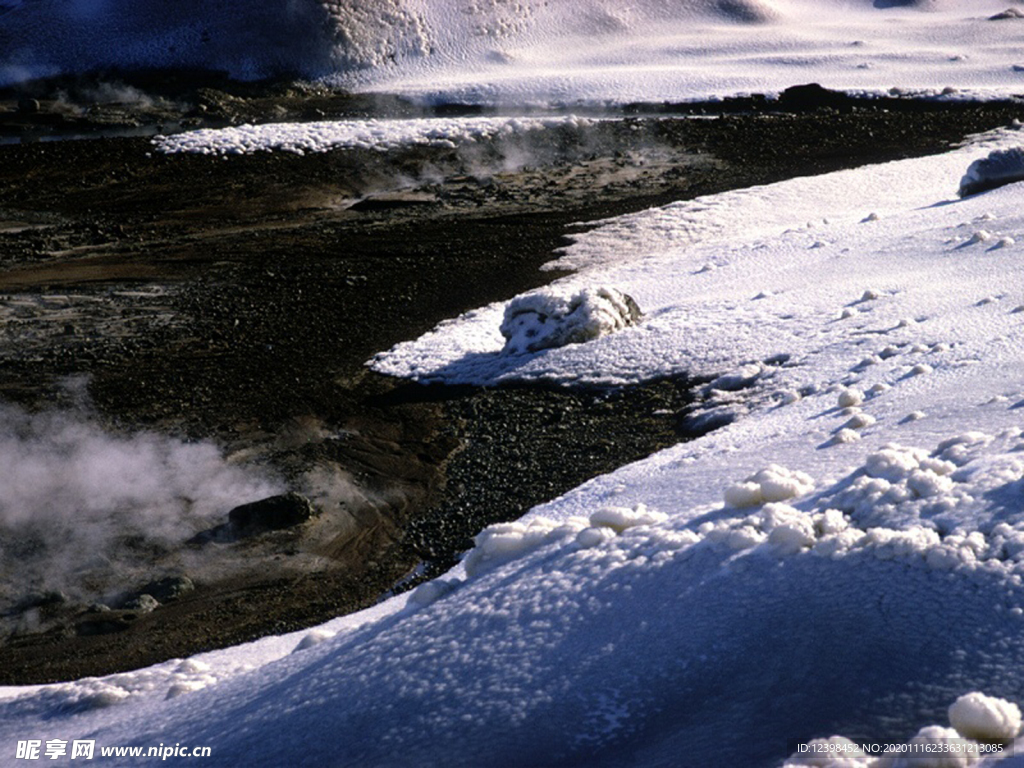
(238, 300)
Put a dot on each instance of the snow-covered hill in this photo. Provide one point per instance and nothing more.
(517, 51)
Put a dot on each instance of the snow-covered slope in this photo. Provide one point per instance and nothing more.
(843, 558)
(534, 50)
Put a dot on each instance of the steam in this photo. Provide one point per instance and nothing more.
(85, 511)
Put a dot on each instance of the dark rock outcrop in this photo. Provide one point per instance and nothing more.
(271, 514)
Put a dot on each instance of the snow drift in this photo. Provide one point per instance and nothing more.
(1001, 166)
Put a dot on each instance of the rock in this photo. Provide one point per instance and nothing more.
(811, 97)
(111, 622)
(43, 600)
(28, 106)
(170, 588)
(271, 514)
(142, 603)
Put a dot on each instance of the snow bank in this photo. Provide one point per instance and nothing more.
(569, 637)
(553, 318)
(1001, 166)
(378, 135)
(534, 51)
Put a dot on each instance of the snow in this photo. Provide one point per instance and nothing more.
(603, 51)
(1001, 166)
(537, 51)
(842, 557)
(985, 718)
(553, 318)
(373, 134)
(755, 570)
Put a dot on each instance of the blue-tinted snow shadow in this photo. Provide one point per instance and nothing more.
(711, 659)
(1006, 502)
(481, 369)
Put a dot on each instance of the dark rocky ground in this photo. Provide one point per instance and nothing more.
(238, 301)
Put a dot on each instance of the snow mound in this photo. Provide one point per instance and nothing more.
(621, 518)
(313, 639)
(1001, 166)
(502, 543)
(556, 317)
(773, 483)
(431, 591)
(985, 718)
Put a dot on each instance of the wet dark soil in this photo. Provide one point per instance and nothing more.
(237, 300)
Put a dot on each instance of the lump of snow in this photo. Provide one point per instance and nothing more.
(850, 398)
(553, 318)
(1002, 166)
(844, 436)
(505, 542)
(594, 536)
(955, 751)
(432, 591)
(621, 518)
(745, 494)
(921, 369)
(896, 463)
(870, 295)
(313, 639)
(1004, 242)
(985, 718)
(957, 450)
(773, 483)
(789, 530)
(859, 421)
